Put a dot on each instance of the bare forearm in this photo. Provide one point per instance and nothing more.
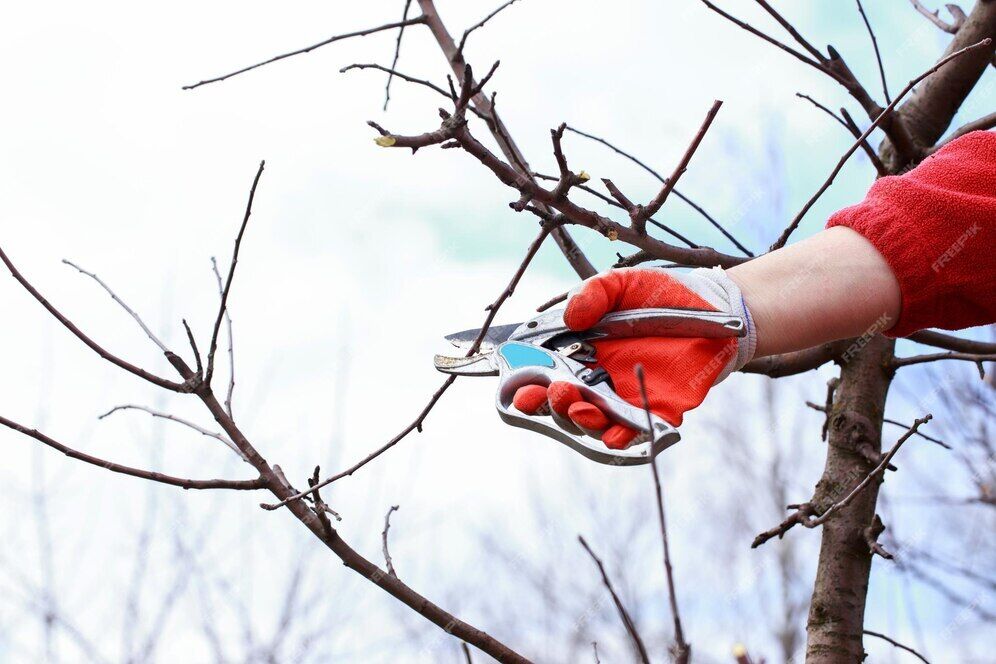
(830, 286)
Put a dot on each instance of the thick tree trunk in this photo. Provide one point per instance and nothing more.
(836, 613)
(837, 609)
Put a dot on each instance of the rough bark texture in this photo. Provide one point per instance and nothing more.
(836, 613)
(837, 610)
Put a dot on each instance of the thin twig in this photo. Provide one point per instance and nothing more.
(897, 644)
(238, 485)
(397, 54)
(90, 343)
(780, 242)
(878, 55)
(682, 650)
(655, 204)
(415, 425)
(806, 513)
(977, 358)
(231, 275)
(231, 341)
(394, 72)
(934, 17)
(387, 554)
(466, 652)
(114, 296)
(193, 348)
(623, 613)
(179, 420)
(985, 122)
(897, 423)
(873, 157)
(308, 49)
(492, 308)
(556, 299)
(695, 206)
(951, 342)
(479, 24)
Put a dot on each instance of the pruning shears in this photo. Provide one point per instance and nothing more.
(543, 350)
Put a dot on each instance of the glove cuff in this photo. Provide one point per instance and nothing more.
(719, 290)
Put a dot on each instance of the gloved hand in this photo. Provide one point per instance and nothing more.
(678, 372)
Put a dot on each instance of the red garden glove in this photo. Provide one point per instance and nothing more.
(678, 371)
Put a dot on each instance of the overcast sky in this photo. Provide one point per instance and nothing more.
(358, 259)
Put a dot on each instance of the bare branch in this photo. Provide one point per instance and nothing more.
(222, 308)
(806, 513)
(308, 49)
(237, 485)
(897, 423)
(882, 116)
(977, 358)
(983, 123)
(406, 77)
(571, 251)
(179, 420)
(492, 308)
(951, 342)
(771, 40)
(878, 55)
(639, 217)
(682, 651)
(897, 644)
(789, 364)
(479, 24)
(69, 325)
(387, 554)
(856, 132)
(695, 206)
(623, 613)
(397, 54)
(934, 17)
(231, 340)
(131, 312)
(556, 299)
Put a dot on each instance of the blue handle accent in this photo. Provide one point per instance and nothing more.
(518, 355)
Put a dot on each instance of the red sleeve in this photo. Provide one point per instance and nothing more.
(936, 227)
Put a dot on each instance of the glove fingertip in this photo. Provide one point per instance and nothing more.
(530, 399)
(587, 306)
(618, 437)
(588, 416)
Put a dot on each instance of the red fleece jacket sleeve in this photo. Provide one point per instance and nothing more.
(936, 227)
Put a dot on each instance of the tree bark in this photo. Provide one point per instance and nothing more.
(837, 609)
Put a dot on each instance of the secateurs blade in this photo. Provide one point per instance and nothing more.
(543, 350)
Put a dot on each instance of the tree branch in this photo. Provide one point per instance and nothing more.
(360, 33)
(789, 364)
(898, 645)
(882, 116)
(479, 24)
(640, 216)
(935, 18)
(223, 306)
(231, 340)
(179, 420)
(397, 54)
(695, 206)
(387, 554)
(878, 55)
(623, 613)
(90, 343)
(152, 476)
(951, 342)
(983, 123)
(682, 651)
(806, 513)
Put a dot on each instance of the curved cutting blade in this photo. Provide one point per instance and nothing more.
(496, 335)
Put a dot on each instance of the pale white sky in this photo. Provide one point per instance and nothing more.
(359, 259)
